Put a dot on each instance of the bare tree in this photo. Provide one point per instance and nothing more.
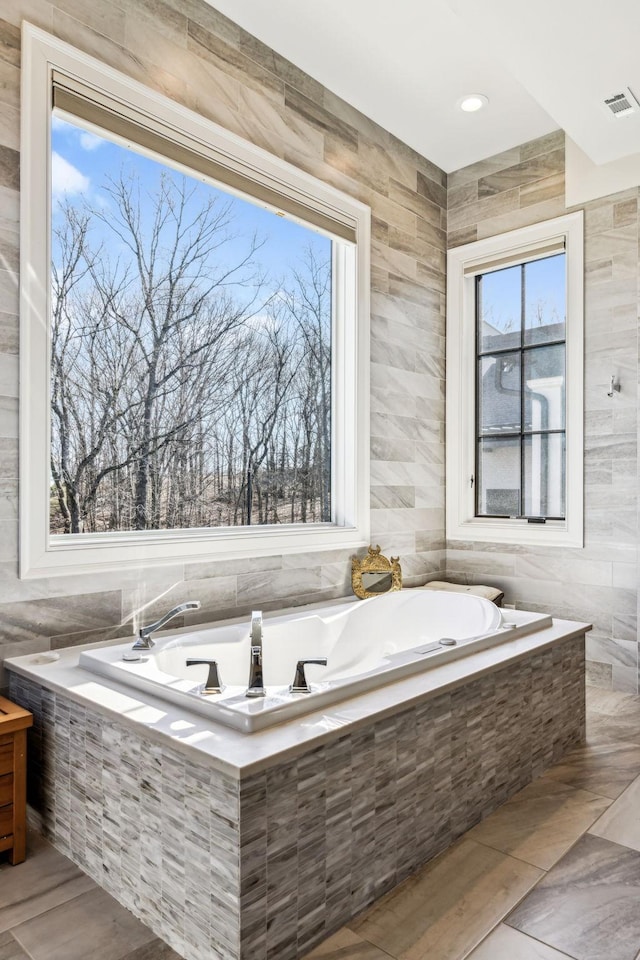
(187, 390)
(130, 335)
(309, 304)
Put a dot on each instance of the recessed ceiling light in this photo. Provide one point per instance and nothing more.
(473, 102)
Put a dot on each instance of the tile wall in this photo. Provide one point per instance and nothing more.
(185, 49)
(599, 583)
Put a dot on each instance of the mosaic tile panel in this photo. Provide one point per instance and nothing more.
(268, 865)
(158, 831)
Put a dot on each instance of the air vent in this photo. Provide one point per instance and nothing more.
(622, 104)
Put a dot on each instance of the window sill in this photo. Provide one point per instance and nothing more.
(79, 553)
(516, 532)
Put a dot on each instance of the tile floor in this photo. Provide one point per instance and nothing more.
(554, 874)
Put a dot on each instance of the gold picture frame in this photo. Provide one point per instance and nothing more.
(375, 574)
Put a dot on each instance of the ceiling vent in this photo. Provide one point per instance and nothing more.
(622, 104)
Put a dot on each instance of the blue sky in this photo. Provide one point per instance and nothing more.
(82, 161)
(544, 292)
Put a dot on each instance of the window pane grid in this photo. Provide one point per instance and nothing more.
(520, 467)
(524, 348)
(520, 433)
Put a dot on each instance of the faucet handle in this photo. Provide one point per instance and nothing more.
(300, 684)
(212, 684)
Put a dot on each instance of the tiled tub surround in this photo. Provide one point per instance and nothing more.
(252, 848)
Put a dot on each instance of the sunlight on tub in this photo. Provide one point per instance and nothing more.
(181, 725)
(106, 697)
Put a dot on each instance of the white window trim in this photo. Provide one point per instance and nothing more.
(45, 555)
(462, 524)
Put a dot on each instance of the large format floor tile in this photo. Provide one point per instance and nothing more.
(45, 880)
(541, 822)
(621, 822)
(344, 945)
(10, 949)
(446, 909)
(605, 769)
(505, 943)
(612, 717)
(588, 905)
(92, 925)
(155, 950)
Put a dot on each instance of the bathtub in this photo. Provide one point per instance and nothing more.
(366, 643)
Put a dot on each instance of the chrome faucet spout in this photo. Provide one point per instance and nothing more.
(256, 681)
(145, 641)
(256, 628)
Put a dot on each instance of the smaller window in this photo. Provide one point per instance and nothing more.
(520, 389)
(514, 386)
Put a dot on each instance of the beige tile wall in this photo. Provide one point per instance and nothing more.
(599, 583)
(187, 50)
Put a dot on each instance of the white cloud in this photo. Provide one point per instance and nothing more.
(89, 141)
(65, 178)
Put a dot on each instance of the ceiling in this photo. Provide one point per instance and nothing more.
(404, 63)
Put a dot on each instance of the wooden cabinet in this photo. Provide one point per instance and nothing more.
(14, 722)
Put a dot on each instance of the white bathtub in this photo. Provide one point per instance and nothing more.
(367, 643)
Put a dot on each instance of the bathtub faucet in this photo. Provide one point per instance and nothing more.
(144, 641)
(256, 682)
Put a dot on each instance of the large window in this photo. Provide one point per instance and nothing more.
(195, 313)
(514, 410)
(190, 349)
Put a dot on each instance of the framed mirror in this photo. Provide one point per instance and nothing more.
(375, 574)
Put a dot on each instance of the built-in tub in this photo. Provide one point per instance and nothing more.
(235, 847)
(367, 643)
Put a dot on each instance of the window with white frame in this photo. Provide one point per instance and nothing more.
(195, 314)
(514, 386)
